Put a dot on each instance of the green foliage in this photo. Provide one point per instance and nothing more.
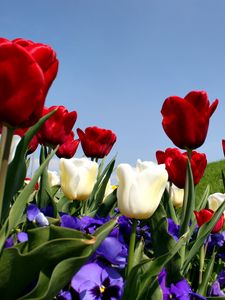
(55, 252)
(213, 178)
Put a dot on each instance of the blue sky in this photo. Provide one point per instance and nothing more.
(120, 59)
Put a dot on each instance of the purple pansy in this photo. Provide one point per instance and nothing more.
(215, 289)
(113, 251)
(177, 291)
(9, 242)
(217, 285)
(64, 295)
(96, 282)
(70, 222)
(173, 229)
(35, 215)
(22, 237)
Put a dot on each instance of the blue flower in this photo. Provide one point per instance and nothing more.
(177, 291)
(35, 215)
(97, 282)
(113, 251)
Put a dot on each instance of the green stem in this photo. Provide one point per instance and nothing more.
(185, 218)
(2, 142)
(201, 266)
(170, 206)
(7, 135)
(132, 246)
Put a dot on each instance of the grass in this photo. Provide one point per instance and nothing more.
(213, 178)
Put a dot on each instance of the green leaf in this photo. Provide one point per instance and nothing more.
(207, 274)
(142, 281)
(189, 204)
(17, 210)
(43, 195)
(164, 242)
(106, 206)
(203, 232)
(98, 192)
(64, 254)
(17, 168)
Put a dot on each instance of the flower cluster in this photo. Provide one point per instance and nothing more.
(71, 234)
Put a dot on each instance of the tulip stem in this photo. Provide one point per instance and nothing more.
(171, 208)
(201, 266)
(7, 135)
(131, 246)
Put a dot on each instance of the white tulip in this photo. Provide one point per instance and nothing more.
(176, 195)
(141, 188)
(109, 189)
(77, 177)
(215, 200)
(53, 178)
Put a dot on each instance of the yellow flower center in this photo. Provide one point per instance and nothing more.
(102, 289)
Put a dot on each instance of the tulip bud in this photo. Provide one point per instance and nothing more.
(205, 215)
(77, 177)
(176, 195)
(53, 178)
(215, 200)
(223, 146)
(141, 188)
(58, 127)
(176, 165)
(96, 142)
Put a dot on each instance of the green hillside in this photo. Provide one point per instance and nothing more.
(213, 177)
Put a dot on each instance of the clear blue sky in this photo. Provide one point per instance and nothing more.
(119, 60)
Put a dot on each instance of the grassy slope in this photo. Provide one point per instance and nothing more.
(212, 176)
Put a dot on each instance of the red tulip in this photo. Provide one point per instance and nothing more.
(33, 143)
(176, 164)
(58, 127)
(96, 142)
(69, 147)
(45, 56)
(186, 120)
(223, 146)
(22, 86)
(204, 215)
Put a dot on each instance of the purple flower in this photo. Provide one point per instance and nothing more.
(64, 295)
(215, 289)
(35, 215)
(173, 229)
(177, 291)
(70, 222)
(9, 242)
(96, 282)
(221, 278)
(113, 251)
(22, 237)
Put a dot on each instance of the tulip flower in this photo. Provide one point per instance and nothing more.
(223, 146)
(69, 147)
(215, 200)
(96, 142)
(176, 195)
(22, 88)
(44, 56)
(77, 177)
(176, 164)
(53, 178)
(205, 215)
(58, 127)
(186, 120)
(33, 143)
(140, 189)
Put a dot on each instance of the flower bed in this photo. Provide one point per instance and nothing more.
(74, 235)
